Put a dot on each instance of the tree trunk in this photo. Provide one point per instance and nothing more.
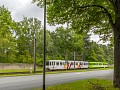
(116, 28)
(117, 54)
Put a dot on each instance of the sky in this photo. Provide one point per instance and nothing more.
(24, 8)
(20, 8)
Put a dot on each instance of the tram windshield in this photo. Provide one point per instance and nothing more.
(47, 63)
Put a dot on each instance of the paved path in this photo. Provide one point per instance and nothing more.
(35, 81)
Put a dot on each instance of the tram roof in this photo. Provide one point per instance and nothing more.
(66, 60)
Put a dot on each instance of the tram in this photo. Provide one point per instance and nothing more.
(68, 64)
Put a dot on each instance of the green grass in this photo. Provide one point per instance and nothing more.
(18, 74)
(90, 84)
(14, 70)
(40, 69)
(78, 70)
(18, 70)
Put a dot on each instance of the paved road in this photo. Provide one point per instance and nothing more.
(35, 81)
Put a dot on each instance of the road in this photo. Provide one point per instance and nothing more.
(35, 81)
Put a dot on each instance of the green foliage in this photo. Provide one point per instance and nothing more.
(91, 56)
(83, 15)
(17, 42)
(25, 34)
(90, 84)
(7, 40)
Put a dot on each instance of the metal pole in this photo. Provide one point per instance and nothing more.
(34, 55)
(34, 47)
(44, 62)
(74, 59)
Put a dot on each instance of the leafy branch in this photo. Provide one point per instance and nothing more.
(105, 11)
(111, 1)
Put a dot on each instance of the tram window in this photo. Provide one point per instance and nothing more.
(54, 63)
(47, 63)
(60, 63)
(76, 63)
(57, 63)
(50, 63)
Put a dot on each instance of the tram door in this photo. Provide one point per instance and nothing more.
(53, 64)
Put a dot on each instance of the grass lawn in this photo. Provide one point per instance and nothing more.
(7, 73)
(40, 69)
(90, 84)
(14, 70)
(78, 70)
(18, 70)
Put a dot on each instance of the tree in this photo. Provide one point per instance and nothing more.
(102, 17)
(62, 38)
(99, 51)
(25, 34)
(7, 39)
(108, 53)
(66, 41)
(49, 43)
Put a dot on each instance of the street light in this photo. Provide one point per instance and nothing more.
(34, 47)
(44, 62)
(34, 55)
(74, 59)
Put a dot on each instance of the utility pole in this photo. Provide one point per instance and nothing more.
(44, 62)
(34, 55)
(74, 59)
(34, 46)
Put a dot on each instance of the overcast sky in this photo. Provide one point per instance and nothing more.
(20, 8)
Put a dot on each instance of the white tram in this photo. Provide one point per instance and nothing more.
(62, 64)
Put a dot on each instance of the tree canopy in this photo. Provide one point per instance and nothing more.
(17, 42)
(99, 16)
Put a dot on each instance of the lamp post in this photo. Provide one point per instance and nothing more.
(74, 59)
(34, 47)
(44, 62)
(34, 55)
